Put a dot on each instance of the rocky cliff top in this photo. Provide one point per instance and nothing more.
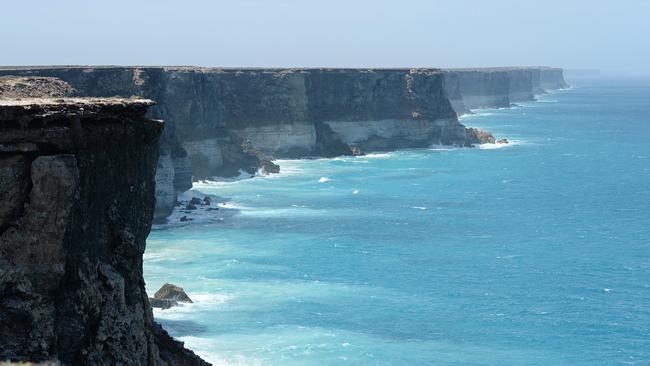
(191, 67)
(33, 86)
(501, 68)
(50, 108)
(204, 68)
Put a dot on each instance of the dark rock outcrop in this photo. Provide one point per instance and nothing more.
(477, 136)
(169, 295)
(172, 292)
(77, 193)
(238, 155)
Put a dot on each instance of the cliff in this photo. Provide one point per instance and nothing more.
(220, 121)
(77, 192)
(499, 87)
(278, 112)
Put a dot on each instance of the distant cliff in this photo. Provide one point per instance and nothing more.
(499, 87)
(297, 112)
(77, 193)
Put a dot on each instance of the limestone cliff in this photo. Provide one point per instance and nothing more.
(77, 193)
(279, 112)
(499, 87)
(296, 112)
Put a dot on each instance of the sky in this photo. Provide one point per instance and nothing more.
(596, 34)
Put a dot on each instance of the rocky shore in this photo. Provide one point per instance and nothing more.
(77, 190)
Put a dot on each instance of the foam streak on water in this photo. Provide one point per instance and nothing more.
(531, 253)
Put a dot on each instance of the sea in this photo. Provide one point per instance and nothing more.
(535, 252)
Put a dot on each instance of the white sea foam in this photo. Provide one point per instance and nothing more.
(221, 181)
(498, 145)
(443, 147)
(419, 207)
(292, 211)
(287, 167)
(234, 206)
(377, 155)
(209, 298)
(205, 347)
(202, 302)
(475, 113)
(323, 179)
(356, 191)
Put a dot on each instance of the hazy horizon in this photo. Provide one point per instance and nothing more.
(292, 33)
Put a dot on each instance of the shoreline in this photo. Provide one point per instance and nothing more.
(226, 211)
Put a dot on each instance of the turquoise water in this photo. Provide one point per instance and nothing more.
(536, 253)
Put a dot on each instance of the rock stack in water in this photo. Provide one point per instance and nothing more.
(169, 295)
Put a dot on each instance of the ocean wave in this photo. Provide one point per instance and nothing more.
(437, 147)
(242, 175)
(377, 155)
(292, 211)
(202, 301)
(288, 167)
(476, 113)
(323, 180)
(560, 90)
(209, 298)
(204, 348)
(498, 145)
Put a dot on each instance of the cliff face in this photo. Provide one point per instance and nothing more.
(296, 112)
(283, 113)
(384, 109)
(552, 78)
(77, 192)
(499, 87)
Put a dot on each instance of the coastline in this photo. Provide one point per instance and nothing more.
(227, 210)
(297, 112)
(230, 287)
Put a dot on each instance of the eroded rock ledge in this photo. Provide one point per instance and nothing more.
(77, 193)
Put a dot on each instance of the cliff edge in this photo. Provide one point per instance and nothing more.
(77, 191)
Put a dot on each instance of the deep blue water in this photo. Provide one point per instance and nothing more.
(537, 253)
